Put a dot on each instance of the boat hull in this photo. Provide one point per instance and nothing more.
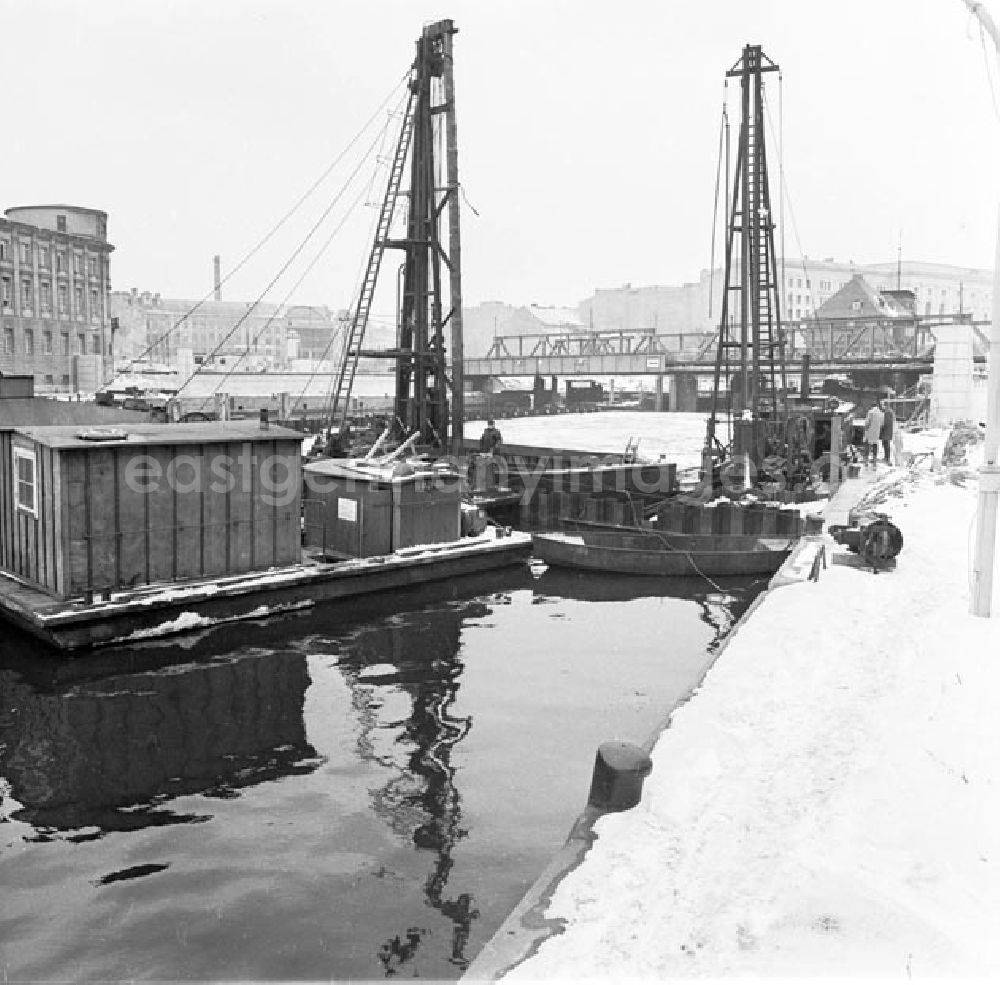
(566, 550)
(649, 539)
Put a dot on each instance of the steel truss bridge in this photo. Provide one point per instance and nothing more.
(833, 345)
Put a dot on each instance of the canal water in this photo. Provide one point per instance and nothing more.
(361, 790)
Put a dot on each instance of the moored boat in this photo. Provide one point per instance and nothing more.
(663, 555)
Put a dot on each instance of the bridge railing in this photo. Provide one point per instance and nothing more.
(595, 344)
(823, 340)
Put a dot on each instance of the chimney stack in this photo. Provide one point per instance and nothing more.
(218, 277)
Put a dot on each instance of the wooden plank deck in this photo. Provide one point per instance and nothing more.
(74, 624)
(851, 492)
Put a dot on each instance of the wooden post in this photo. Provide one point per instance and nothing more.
(454, 240)
(836, 432)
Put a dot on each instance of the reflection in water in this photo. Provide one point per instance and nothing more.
(423, 854)
(421, 802)
(719, 610)
(109, 751)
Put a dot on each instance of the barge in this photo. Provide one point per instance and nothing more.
(121, 533)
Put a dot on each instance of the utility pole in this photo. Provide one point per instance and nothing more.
(989, 474)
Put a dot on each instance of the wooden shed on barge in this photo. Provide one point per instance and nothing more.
(86, 511)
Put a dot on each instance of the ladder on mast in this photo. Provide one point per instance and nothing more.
(751, 272)
(351, 351)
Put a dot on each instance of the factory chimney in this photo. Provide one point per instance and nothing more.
(217, 262)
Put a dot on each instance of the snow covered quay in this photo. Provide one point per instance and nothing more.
(827, 803)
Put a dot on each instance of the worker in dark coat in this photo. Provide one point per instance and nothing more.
(886, 431)
(491, 438)
(338, 442)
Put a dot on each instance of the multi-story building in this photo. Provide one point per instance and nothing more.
(54, 288)
(219, 334)
(938, 288)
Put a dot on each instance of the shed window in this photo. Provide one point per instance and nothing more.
(25, 472)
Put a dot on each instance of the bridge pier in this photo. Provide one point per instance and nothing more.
(683, 394)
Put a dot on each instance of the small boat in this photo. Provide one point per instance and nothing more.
(655, 553)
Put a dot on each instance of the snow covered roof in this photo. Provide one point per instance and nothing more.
(194, 433)
(858, 299)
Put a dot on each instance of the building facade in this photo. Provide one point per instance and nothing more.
(55, 284)
(178, 332)
(938, 289)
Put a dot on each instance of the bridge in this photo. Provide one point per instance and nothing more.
(834, 345)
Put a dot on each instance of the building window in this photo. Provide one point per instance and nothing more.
(78, 262)
(26, 294)
(64, 379)
(78, 299)
(5, 292)
(63, 299)
(95, 307)
(61, 223)
(43, 256)
(3, 249)
(47, 343)
(65, 343)
(92, 266)
(855, 306)
(83, 343)
(45, 297)
(95, 345)
(26, 491)
(49, 379)
(61, 262)
(25, 253)
(8, 341)
(29, 342)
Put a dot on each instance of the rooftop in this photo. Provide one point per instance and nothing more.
(211, 432)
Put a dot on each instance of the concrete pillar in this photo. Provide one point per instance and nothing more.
(658, 399)
(951, 399)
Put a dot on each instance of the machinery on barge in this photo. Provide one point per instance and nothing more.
(772, 442)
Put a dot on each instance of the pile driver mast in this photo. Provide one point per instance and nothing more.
(428, 397)
(751, 341)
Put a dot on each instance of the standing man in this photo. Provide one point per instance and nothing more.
(490, 438)
(873, 432)
(886, 434)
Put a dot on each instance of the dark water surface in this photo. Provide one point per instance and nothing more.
(357, 791)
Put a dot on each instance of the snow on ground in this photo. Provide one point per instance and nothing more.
(828, 804)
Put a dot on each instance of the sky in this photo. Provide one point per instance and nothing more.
(588, 134)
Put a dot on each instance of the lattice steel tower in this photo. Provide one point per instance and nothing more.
(428, 383)
(751, 341)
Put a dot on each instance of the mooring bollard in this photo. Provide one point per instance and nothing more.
(619, 769)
